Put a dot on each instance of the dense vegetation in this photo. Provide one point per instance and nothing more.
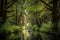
(29, 19)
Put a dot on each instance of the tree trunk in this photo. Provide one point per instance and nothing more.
(55, 19)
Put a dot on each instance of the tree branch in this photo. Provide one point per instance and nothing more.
(49, 9)
(10, 4)
(46, 4)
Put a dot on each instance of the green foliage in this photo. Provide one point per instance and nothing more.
(13, 32)
(35, 8)
(29, 12)
(46, 27)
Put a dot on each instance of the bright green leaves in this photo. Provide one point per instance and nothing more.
(46, 26)
(35, 8)
(11, 28)
(13, 32)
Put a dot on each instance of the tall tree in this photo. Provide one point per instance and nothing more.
(3, 16)
(55, 18)
(3, 11)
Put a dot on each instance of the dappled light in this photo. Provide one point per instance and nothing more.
(29, 19)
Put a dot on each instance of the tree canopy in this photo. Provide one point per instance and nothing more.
(29, 19)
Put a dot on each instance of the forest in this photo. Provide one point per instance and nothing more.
(29, 19)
